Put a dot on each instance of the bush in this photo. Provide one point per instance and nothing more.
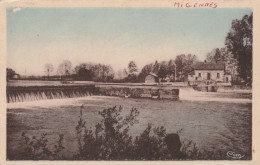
(36, 148)
(110, 140)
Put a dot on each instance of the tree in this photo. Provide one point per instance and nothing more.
(239, 43)
(97, 72)
(83, 72)
(190, 60)
(83, 65)
(184, 64)
(65, 68)
(231, 65)
(102, 72)
(48, 68)
(179, 61)
(132, 68)
(171, 67)
(121, 74)
(163, 69)
(108, 73)
(156, 67)
(96, 69)
(10, 73)
(210, 56)
(125, 73)
(132, 72)
(144, 72)
(216, 55)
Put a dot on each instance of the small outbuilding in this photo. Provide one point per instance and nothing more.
(151, 78)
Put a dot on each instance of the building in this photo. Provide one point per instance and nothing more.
(208, 73)
(151, 78)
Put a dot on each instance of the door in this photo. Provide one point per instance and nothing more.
(208, 76)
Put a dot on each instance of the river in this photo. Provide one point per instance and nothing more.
(214, 121)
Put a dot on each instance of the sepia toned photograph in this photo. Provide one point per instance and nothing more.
(129, 84)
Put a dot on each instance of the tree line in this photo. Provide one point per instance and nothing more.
(236, 55)
(172, 70)
(82, 72)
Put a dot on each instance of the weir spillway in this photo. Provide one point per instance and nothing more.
(34, 93)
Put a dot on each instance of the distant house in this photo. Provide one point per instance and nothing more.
(151, 78)
(208, 73)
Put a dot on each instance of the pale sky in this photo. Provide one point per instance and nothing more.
(115, 36)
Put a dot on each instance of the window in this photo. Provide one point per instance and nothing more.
(208, 76)
(199, 74)
(217, 75)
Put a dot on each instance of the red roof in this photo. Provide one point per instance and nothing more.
(209, 66)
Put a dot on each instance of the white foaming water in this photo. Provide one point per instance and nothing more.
(56, 102)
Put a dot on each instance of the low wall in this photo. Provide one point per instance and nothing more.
(206, 88)
(140, 92)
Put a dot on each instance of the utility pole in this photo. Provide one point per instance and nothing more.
(175, 72)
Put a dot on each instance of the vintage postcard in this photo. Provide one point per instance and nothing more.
(144, 81)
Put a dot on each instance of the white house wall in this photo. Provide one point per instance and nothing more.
(213, 75)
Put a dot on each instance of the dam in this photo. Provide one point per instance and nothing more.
(34, 93)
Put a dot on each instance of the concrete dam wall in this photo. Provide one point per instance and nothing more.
(34, 93)
(156, 92)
